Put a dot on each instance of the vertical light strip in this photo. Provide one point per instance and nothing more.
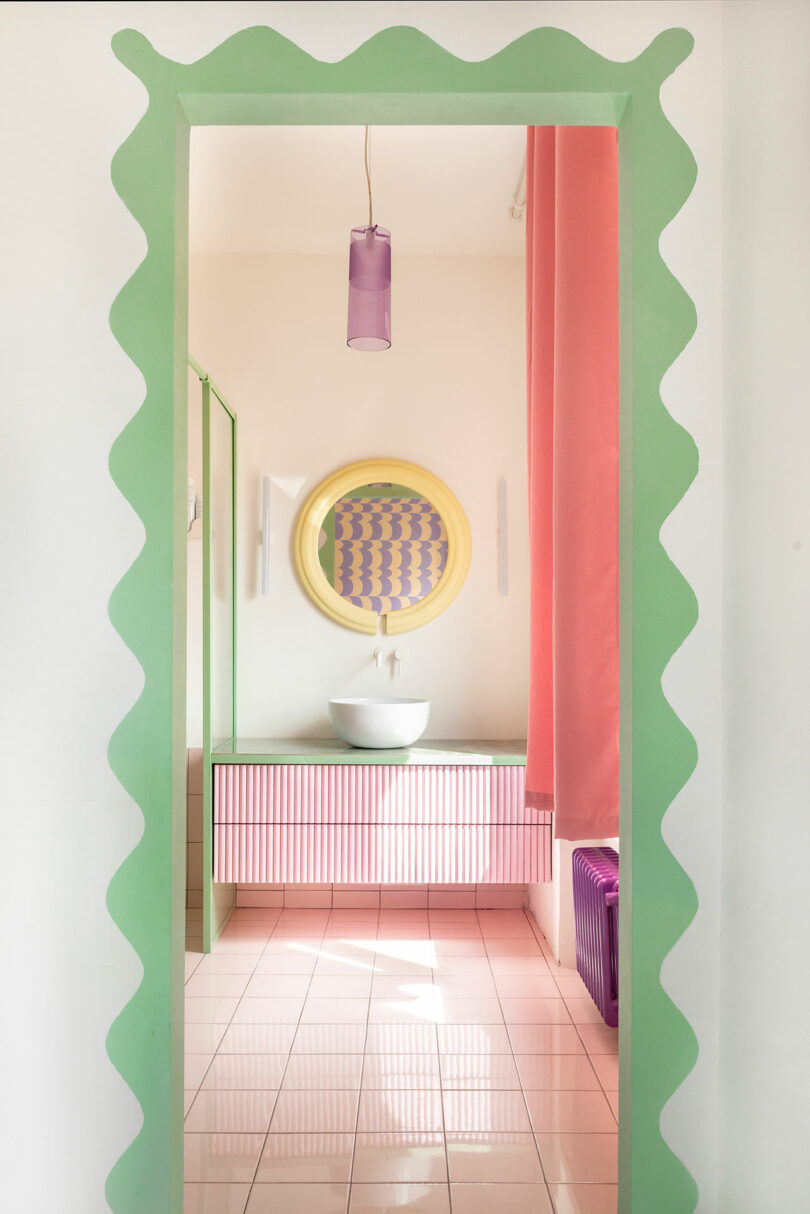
(265, 535)
(503, 546)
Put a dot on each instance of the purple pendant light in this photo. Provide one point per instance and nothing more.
(369, 325)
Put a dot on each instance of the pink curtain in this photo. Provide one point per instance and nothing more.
(572, 363)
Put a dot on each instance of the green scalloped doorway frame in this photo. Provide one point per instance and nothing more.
(546, 77)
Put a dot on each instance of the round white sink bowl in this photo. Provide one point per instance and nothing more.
(385, 723)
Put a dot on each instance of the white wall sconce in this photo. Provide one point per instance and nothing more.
(193, 505)
(503, 550)
(265, 535)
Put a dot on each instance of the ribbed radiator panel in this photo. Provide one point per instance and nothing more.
(596, 911)
(370, 824)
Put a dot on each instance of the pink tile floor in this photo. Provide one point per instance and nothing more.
(359, 1062)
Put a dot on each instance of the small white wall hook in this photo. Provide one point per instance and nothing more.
(399, 658)
(379, 657)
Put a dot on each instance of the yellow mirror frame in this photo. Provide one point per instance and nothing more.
(321, 501)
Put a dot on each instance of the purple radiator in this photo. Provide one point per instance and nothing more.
(596, 915)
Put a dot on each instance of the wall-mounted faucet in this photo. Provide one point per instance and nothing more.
(379, 657)
(399, 658)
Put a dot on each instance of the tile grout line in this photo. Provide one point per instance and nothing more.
(225, 1030)
(441, 1077)
(362, 1069)
(286, 1064)
(520, 1081)
(535, 926)
(321, 945)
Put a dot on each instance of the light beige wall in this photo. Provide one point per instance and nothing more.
(449, 395)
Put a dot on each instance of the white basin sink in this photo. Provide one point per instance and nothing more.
(385, 723)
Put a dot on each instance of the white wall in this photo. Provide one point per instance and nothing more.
(449, 396)
(765, 1054)
(68, 245)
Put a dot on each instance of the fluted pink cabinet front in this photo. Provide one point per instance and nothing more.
(377, 823)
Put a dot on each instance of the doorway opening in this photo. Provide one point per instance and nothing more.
(545, 78)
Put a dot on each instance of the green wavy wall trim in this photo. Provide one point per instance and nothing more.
(400, 75)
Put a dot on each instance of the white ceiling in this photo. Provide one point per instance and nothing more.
(300, 189)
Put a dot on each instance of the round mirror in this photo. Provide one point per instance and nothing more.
(382, 538)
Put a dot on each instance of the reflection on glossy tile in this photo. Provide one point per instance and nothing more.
(585, 1198)
(393, 1198)
(231, 1112)
(401, 1071)
(268, 1011)
(323, 1071)
(335, 1011)
(556, 1071)
(215, 1198)
(322, 1158)
(532, 964)
(584, 1158)
(234, 944)
(286, 963)
(226, 963)
(583, 1011)
(571, 986)
(329, 1039)
(401, 1039)
(599, 1039)
(508, 931)
(310, 936)
(210, 1010)
(455, 931)
(493, 1157)
(469, 967)
(478, 1071)
(298, 1199)
(262, 1072)
(292, 946)
(504, 1111)
(469, 1011)
(402, 986)
(458, 947)
(514, 1198)
(216, 984)
(421, 1009)
(387, 963)
(222, 1157)
(473, 1039)
(522, 946)
(435, 987)
(462, 986)
(535, 1011)
(315, 1112)
(257, 1039)
(194, 1068)
(607, 1068)
(203, 1038)
(400, 1110)
(570, 1112)
(340, 986)
(526, 986)
(399, 1157)
(277, 986)
(545, 1039)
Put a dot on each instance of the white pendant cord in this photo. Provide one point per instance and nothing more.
(368, 180)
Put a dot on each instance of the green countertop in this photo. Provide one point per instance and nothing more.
(331, 750)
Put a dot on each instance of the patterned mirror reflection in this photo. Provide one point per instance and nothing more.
(383, 547)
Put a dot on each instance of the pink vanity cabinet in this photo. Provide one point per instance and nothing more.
(321, 811)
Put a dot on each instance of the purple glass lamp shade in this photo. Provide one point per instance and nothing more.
(369, 289)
